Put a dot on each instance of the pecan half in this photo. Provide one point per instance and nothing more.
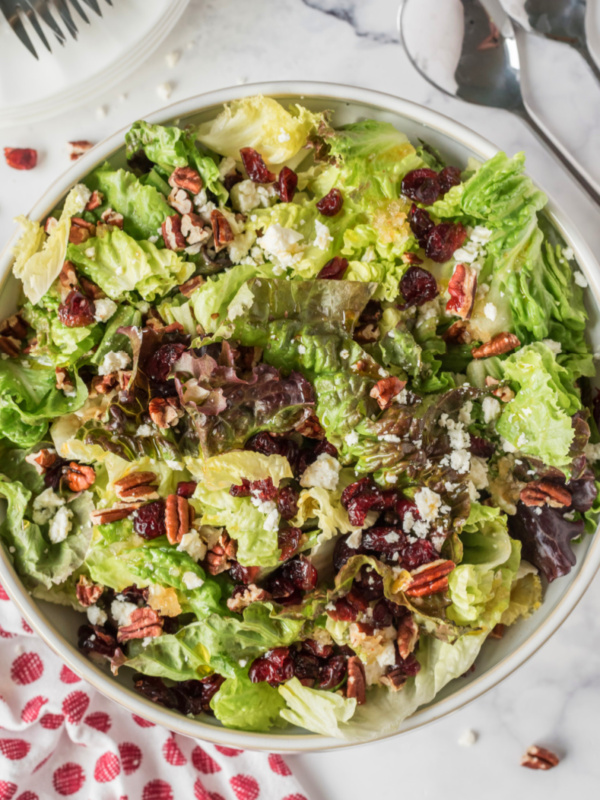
(95, 201)
(194, 230)
(178, 517)
(180, 201)
(111, 217)
(357, 683)
(430, 578)
(189, 287)
(68, 279)
(164, 411)
(81, 230)
(88, 592)
(104, 516)
(144, 622)
(385, 390)
(171, 231)
(501, 343)
(42, 460)
(462, 287)
(186, 178)
(394, 679)
(457, 333)
(14, 326)
(78, 148)
(497, 631)
(407, 636)
(137, 485)
(79, 477)
(540, 493)
(10, 346)
(539, 758)
(310, 427)
(63, 381)
(366, 334)
(243, 596)
(90, 289)
(222, 232)
(220, 556)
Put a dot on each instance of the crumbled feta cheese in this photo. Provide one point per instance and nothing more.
(45, 505)
(428, 504)
(60, 525)
(491, 409)
(408, 522)
(191, 580)
(389, 437)
(592, 452)
(508, 447)
(355, 539)
(490, 311)
(460, 460)
(390, 478)
(172, 58)
(105, 308)
(391, 537)
(351, 438)
(247, 195)
(464, 414)
(121, 610)
(90, 252)
(144, 430)
(301, 349)
(96, 616)
(283, 136)
(283, 244)
(164, 90)
(556, 347)
(269, 509)
(522, 440)
(568, 253)
(479, 472)
(114, 361)
(467, 738)
(322, 236)
(402, 397)
(323, 473)
(192, 544)
(226, 166)
(344, 354)
(580, 279)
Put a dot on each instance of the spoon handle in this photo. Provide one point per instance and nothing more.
(565, 159)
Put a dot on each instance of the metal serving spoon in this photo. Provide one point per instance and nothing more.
(486, 67)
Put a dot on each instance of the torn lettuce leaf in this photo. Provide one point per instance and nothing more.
(322, 712)
(244, 705)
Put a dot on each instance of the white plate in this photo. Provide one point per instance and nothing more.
(105, 53)
(58, 626)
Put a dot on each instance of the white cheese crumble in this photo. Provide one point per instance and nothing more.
(121, 610)
(568, 253)
(508, 447)
(45, 505)
(191, 580)
(269, 509)
(355, 539)
(114, 361)
(96, 616)
(556, 347)
(580, 279)
(283, 244)
(490, 311)
(467, 738)
(351, 438)
(323, 473)
(144, 430)
(192, 544)
(460, 460)
(226, 166)
(322, 236)
(164, 90)
(60, 525)
(491, 409)
(247, 195)
(283, 136)
(172, 58)
(104, 309)
(428, 504)
(344, 354)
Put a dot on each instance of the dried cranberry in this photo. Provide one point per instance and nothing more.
(275, 667)
(420, 223)
(342, 552)
(287, 184)
(418, 553)
(421, 185)
(186, 488)
(230, 180)
(382, 615)
(264, 490)
(302, 573)
(449, 177)
(96, 640)
(288, 541)
(481, 447)
(332, 673)
(282, 589)
(323, 446)
(269, 444)
(160, 362)
(334, 269)
(149, 521)
(369, 584)
(210, 686)
(287, 502)
(242, 574)
(370, 497)
(404, 506)
(306, 665)
(418, 286)
(257, 170)
(331, 204)
(343, 611)
(240, 490)
(155, 689)
(317, 649)
(77, 310)
(354, 489)
(20, 157)
(134, 594)
(383, 541)
(409, 665)
(443, 240)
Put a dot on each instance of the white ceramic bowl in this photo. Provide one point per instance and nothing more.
(58, 625)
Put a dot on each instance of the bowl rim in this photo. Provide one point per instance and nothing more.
(310, 742)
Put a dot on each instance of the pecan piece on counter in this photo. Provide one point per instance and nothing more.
(243, 596)
(171, 231)
(104, 516)
(186, 178)
(14, 326)
(462, 287)
(394, 679)
(430, 578)
(63, 381)
(539, 758)
(164, 411)
(357, 683)
(77, 149)
(189, 287)
(137, 485)
(220, 556)
(497, 346)
(457, 333)
(385, 390)
(222, 232)
(407, 636)
(144, 622)
(79, 477)
(540, 493)
(311, 428)
(87, 591)
(178, 517)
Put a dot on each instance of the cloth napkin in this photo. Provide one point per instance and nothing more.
(59, 738)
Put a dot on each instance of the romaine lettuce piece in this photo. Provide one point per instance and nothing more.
(178, 656)
(63, 345)
(316, 710)
(248, 706)
(525, 595)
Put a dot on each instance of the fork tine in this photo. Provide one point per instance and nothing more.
(15, 23)
(65, 15)
(93, 4)
(35, 23)
(80, 11)
(44, 11)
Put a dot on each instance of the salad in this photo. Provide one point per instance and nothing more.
(295, 415)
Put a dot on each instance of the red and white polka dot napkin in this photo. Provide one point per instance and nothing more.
(59, 738)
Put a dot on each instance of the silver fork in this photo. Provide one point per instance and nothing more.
(15, 11)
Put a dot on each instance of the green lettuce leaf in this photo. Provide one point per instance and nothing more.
(241, 704)
(316, 710)
(175, 656)
(525, 595)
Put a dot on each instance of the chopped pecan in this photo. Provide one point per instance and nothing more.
(461, 288)
(77, 149)
(10, 346)
(104, 516)
(222, 232)
(81, 230)
(430, 578)
(243, 596)
(164, 411)
(14, 326)
(357, 684)
(385, 390)
(90, 288)
(497, 631)
(79, 477)
(171, 231)
(540, 493)
(111, 217)
(194, 230)
(137, 485)
(49, 225)
(42, 460)
(88, 592)
(189, 287)
(501, 343)
(394, 679)
(310, 427)
(412, 258)
(457, 333)
(186, 178)
(68, 279)
(407, 636)
(63, 381)
(180, 200)
(177, 518)
(220, 556)
(144, 622)
(95, 201)
(539, 758)
(103, 384)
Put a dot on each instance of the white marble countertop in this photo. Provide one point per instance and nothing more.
(554, 699)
